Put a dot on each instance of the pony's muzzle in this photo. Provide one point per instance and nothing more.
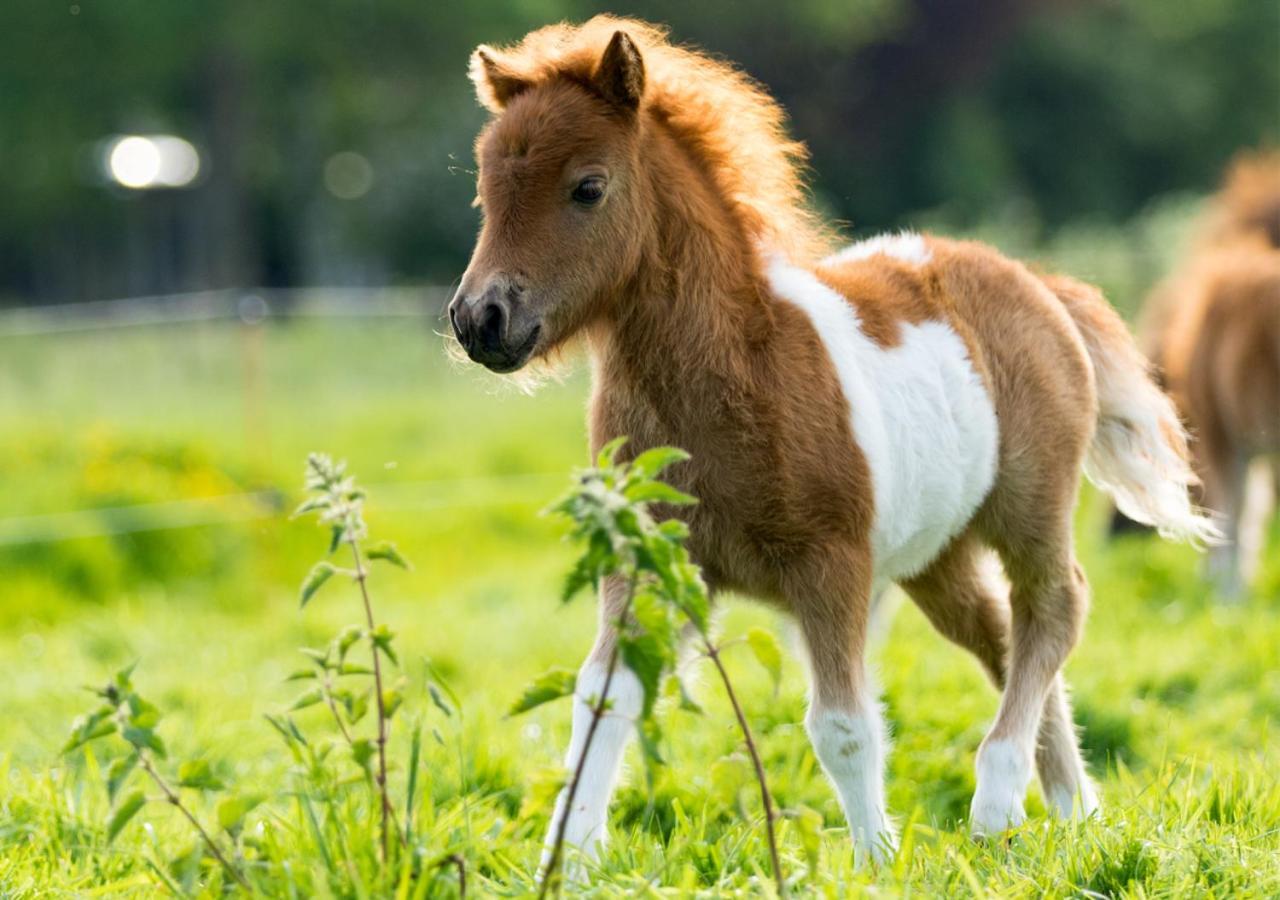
(487, 327)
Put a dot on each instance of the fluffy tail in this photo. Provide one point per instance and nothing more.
(1139, 452)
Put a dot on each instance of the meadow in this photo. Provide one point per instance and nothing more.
(148, 475)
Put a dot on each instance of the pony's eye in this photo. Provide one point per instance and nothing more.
(589, 191)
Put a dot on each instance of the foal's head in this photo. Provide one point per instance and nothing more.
(563, 203)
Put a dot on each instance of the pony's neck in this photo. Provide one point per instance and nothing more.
(697, 307)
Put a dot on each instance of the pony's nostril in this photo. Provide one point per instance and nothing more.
(491, 325)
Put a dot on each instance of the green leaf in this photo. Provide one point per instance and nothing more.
(765, 647)
(118, 773)
(347, 638)
(319, 574)
(415, 754)
(307, 698)
(437, 699)
(232, 810)
(145, 739)
(353, 669)
(310, 505)
(387, 551)
(609, 452)
(142, 714)
(809, 824)
(90, 727)
(550, 685)
(197, 774)
(675, 688)
(650, 734)
(124, 811)
(391, 700)
(124, 678)
(288, 730)
(673, 530)
(357, 705)
(362, 750)
(335, 538)
(657, 492)
(302, 675)
(319, 657)
(382, 638)
(644, 655)
(651, 462)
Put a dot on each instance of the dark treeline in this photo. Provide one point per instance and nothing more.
(336, 135)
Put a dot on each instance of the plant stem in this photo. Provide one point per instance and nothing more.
(361, 577)
(333, 708)
(456, 860)
(714, 654)
(171, 795)
(597, 713)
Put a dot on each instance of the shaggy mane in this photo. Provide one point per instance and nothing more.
(720, 115)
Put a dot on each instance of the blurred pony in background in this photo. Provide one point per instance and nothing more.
(1213, 327)
(909, 409)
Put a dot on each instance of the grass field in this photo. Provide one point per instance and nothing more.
(1178, 696)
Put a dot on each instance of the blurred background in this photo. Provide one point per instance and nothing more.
(329, 142)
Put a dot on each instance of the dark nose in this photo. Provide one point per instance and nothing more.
(482, 322)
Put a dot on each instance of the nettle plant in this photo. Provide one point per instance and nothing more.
(126, 715)
(609, 508)
(339, 504)
(349, 689)
(349, 677)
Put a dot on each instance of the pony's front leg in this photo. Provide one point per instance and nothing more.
(844, 721)
(587, 825)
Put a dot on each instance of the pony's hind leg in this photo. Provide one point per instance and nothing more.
(844, 721)
(965, 596)
(587, 826)
(1048, 601)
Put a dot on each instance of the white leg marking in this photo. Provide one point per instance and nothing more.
(1004, 771)
(851, 749)
(588, 820)
(1065, 803)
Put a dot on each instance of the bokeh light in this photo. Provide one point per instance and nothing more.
(142, 162)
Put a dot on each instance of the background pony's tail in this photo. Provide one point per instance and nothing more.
(1139, 453)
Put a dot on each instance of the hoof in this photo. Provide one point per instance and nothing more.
(991, 816)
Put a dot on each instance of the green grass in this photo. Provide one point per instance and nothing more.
(1178, 696)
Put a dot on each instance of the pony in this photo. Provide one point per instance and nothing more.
(897, 411)
(1213, 327)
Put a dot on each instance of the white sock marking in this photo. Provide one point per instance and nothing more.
(1004, 771)
(851, 749)
(588, 820)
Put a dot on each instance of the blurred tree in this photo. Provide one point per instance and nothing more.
(960, 108)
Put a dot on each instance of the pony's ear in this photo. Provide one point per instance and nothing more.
(620, 76)
(496, 82)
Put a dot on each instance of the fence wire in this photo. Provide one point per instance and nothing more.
(249, 307)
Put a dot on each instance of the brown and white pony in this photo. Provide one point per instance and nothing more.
(886, 413)
(1214, 329)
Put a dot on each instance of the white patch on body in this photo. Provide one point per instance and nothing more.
(905, 245)
(588, 820)
(851, 749)
(1004, 771)
(921, 416)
